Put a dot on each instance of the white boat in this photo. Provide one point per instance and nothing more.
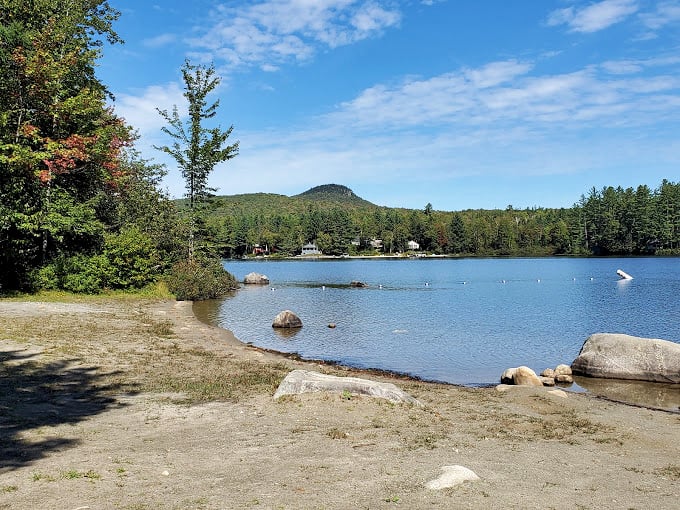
(623, 274)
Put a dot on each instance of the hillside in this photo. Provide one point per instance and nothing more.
(335, 194)
(324, 196)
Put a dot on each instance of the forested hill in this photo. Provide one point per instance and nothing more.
(334, 194)
(325, 196)
(610, 221)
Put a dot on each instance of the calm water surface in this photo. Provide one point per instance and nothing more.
(460, 321)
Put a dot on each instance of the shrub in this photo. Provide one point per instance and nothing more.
(132, 258)
(82, 274)
(196, 280)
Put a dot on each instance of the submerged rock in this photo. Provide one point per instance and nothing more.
(617, 356)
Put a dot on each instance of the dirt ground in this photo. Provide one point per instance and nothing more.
(136, 405)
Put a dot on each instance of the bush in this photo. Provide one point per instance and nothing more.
(82, 274)
(196, 280)
(132, 258)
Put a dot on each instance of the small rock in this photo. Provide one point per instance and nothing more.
(563, 370)
(508, 376)
(548, 372)
(452, 476)
(564, 379)
(558, 393)
(166, 473)
(547, 381)
(287, 319)
(331, 325)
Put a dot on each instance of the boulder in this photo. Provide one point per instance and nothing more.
(256, 279)
(357, 283)
(562, 370)
(508, 376)
(618, 356)
(547, 381)
(548, 372)
(564, 379)
(524, 376)
(305, 381)
(287, 319)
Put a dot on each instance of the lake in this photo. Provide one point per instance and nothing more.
(461, 321)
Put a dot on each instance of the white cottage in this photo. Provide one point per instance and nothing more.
(310, 249)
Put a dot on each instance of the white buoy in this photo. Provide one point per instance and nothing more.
(623, 275)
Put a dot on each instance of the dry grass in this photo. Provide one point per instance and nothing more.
(137, 352)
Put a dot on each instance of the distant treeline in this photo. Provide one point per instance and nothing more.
(610, 221)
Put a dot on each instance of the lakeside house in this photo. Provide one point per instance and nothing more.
(310, 249)
(413, 246)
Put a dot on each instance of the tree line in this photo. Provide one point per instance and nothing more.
(80, 210)
(610, 221)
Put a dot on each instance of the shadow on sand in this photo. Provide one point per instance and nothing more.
(35, 394)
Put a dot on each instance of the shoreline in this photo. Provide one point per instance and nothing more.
(647, 395)
(111, 422)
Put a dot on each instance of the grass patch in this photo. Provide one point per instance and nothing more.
(336, 433)
(9, 488)
(672, 471)
(204, 376)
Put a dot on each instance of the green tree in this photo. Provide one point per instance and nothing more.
(196, 148)
(60, 146)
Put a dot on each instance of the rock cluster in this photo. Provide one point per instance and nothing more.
(524, 376)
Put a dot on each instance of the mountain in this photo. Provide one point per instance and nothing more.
(335, 194)
(324, 197)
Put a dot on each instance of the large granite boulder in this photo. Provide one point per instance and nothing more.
(256, 279)
(617, 356)
(287, 319)
(305, 381)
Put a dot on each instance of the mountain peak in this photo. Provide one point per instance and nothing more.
(334, 193)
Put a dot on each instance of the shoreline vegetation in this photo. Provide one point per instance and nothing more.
(133, 403)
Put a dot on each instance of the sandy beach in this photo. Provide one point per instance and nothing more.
(136, 405)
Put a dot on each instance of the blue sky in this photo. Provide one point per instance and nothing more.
(462, 104)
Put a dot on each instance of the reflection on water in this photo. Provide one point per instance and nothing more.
(461, 321)
(654, 395)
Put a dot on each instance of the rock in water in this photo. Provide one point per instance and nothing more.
(287, 319)
(256, 279)
(617, 356)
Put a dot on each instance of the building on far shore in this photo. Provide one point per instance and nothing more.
(310, 249)
(412, 245)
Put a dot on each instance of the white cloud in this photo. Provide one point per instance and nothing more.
(594, 17)
(140, 110)
(272, 32)
(160, 40)
(504, 118)
(664, 14)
